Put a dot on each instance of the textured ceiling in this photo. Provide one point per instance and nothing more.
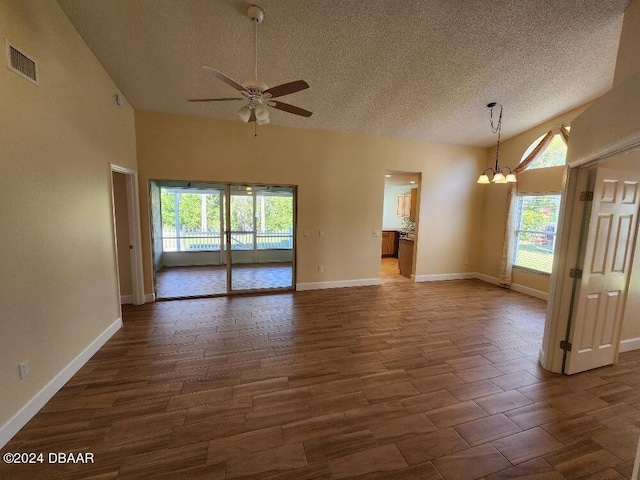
(415, 69)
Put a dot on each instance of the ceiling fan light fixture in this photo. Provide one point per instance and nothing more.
(257, 94)
(261, 112)
(244, 113)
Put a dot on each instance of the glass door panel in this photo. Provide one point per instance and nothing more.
(260, 237)
(188, 240)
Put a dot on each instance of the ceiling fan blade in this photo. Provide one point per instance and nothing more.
(229, 81)
(212, 99)
(285, 107)
(287, 88)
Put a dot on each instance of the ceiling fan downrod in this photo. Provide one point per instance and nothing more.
(256, 14)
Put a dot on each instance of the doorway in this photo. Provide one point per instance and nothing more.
(128, 241)
(213, 239)
(399, 226)
(587, 243)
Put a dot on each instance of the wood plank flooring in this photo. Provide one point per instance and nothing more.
(400, 381)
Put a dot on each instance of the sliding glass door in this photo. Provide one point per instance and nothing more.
(260, 237)
(217, 238)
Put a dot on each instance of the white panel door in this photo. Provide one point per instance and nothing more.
(601, 293)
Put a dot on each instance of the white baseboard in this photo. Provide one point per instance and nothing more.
(530, 291)
(362, 282)
(126, 299)
(33, 406)
(629, 345)
(514, 286)
(149, 297)
(443, 276)
(486, 278)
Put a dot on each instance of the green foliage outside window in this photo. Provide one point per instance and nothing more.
(536, 231)
(554, 154)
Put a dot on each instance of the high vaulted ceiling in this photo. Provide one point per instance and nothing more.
(414, 69)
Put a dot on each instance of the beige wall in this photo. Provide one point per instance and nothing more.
(122, 232)
(58, 288)
(341, 187)
(628, 61)
(495, 196)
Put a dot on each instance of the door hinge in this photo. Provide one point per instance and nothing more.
(575, 273)
(566, 346)
(586, 196)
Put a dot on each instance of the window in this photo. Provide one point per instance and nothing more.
(535, 235)
(553, 155)
(274, 214)
(193, 220)
(190, 220)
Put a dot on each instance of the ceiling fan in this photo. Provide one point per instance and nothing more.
(257, 95)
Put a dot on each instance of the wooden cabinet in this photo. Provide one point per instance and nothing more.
(408, 205)
(413, 200)
(389, 243)
(405, 257)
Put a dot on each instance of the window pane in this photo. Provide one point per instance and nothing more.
(192, 224)
(274, 214)
(554, 155)
(242, 221)
(536, 231)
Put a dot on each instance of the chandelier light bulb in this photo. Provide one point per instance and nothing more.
(499, 178)
(511, 178)
(483, 178)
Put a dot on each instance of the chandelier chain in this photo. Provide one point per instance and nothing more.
(497, 129)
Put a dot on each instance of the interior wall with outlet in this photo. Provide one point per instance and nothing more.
(58, 288)
(340, 178)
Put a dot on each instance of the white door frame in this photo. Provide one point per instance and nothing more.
(567, 250)
(135, 238)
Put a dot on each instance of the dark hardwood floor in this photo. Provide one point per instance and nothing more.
(400, 381)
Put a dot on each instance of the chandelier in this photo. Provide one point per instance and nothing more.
(499, 174)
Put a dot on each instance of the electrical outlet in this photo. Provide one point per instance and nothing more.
(23, 369)
(375, 233)
(306, 232)
(320, 269)
(466, 261)
(321, 233)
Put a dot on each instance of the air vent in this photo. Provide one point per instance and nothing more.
(21, 64)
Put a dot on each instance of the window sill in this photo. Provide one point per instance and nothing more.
(531, 271)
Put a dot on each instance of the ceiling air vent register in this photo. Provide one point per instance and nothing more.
(21, 64)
